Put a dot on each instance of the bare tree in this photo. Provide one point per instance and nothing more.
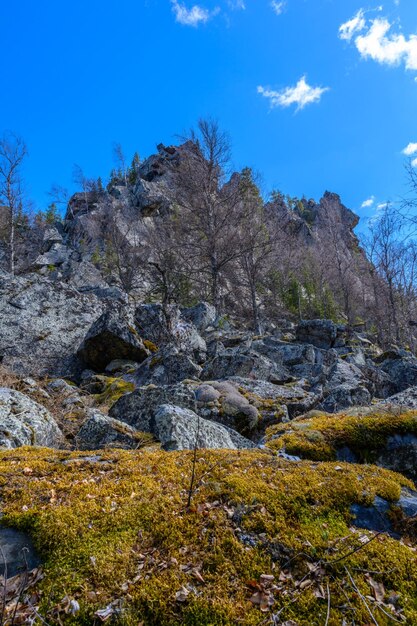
(120, 160)
(257, 245)
(89, 186)
(211, 214)
(12, 153)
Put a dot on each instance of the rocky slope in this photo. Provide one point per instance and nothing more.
(166, 465)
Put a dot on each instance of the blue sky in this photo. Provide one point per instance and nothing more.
(78, 76)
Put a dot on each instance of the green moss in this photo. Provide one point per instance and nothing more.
(114, 389)
(118, 531)
(320, 435)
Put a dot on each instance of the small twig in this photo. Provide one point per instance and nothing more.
(194, 461)
(357, 549)
(361, 597)
(328, 604)
(394, 619)
(3, 608)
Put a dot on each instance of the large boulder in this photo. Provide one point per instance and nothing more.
(182, 429)
(217, 401)
(58, 254)
(406, 399)
(101, 431)
(138, 408)
(345, 387)
(24, 422)
(112, 336)
(165, 326)
(222, 402)
(323, 334)
(201, 315)
(247, 364)
(43, 324)
(167, 367)
(276, 403)
(401, 367)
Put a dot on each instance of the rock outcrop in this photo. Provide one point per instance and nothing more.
(24, 422)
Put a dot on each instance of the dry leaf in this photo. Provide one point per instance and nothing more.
(182, 594)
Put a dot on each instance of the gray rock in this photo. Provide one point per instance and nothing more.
(319, 333)
(221, 401)
(24, 422)
(138, 408)
(345, 396)
(345, 387)
(181, 429)
(168, 328)
(293, 398)
(58, 254)
(101, 431)
(246, 364)
(400, 455)
(377, 516)
(406, 399)
(401, 370)
(201, 316)
(18, 553)
(50, 237)
(112, 336)
(167, 367)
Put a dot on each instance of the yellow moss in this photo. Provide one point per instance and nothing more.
(114, 389)
(318, 436)
(150, 345)
(119, 529)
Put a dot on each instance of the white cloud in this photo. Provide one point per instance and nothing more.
(367, 203)
(237, 4)
(378, 43)
(355, 25)
(301, 95)
(278, 7)
(414, 162)
(410, 149)
(191, 17)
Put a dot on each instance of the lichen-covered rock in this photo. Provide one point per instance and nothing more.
(230, 408)
(167, 367)
(112, 336)
(24, 422)
(247, 364)
(406, 399)
(201, 315)
(101, 431)
(345, 387)
(401, 367)
(42, 324)
(276, 403)
(182, 429)
(165, 326)
(319, 333)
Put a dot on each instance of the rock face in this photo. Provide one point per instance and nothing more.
(111, 337)
(24, 422)
(100, 431)
(320, 333)
(181, 429)
(42, 324)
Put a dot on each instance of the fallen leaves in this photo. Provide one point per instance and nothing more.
(264, 594)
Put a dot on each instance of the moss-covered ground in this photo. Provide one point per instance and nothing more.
(117, 539)
(319, 436)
